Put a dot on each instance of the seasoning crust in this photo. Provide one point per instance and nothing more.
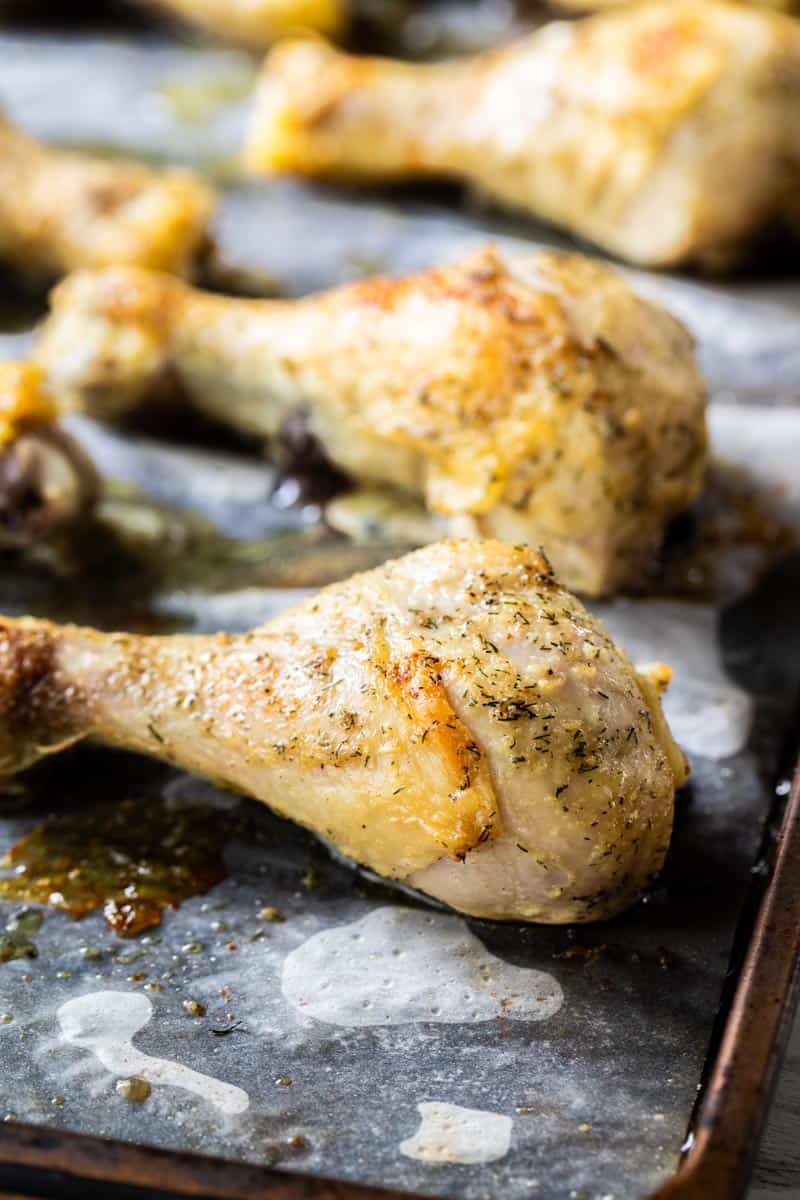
(527, 396)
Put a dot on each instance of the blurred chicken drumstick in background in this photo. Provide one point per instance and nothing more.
(257, 23)
(530, 396)
(60, 210)
(666, 133)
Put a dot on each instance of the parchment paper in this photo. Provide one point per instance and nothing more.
(600, 1090)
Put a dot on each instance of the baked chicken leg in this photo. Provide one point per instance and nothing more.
(665, 133)
(47, 484)
(60, 210)
(529, 397)
(257, 23)
(454, 720)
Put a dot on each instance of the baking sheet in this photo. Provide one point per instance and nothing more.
(585, 1045)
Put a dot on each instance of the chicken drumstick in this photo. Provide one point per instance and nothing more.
(60, 210)
(454, 720)
(257, 23)
(665, 133)
(531, 397)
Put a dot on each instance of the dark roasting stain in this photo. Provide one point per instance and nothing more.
(303, 463)
(33, 708)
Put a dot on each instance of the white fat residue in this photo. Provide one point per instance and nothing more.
(450, 1134)
(707, 713)
(397, 965)
(105, 1024)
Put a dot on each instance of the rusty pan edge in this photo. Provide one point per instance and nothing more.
(736, 1098)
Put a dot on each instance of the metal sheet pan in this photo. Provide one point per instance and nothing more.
(720, 1147)
(607, 1085)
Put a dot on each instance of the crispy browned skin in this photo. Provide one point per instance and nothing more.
(47, 484)
(257, 23)
(531, 396)
(61, 210)
(666, 133)
(454, 720)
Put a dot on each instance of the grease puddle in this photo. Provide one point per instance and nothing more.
(105, 1024)
(132, 857)
(396, 966)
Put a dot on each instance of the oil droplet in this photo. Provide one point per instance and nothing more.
(193, 948)
(584, 1128)
(310, 878)
(57, 1101)
(283, 1081)
(132, 916)
(273, 915)
(14, 946)
(135, 1088)
(27, 921)
(194, 1008)
(6, 1018)
(91, 953)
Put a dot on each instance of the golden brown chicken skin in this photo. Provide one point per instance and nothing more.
(666, 133)
(257, 23)
(531, 397)
(454, 720)
(61, 210)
